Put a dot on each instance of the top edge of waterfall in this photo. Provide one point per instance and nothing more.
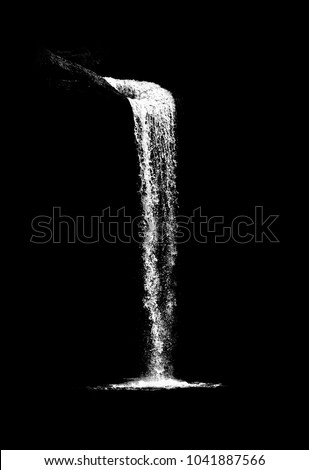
(139, 90)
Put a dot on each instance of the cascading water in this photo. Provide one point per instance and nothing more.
(154, 119)
(154, 127)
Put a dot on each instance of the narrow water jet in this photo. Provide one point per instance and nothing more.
(154, 114)
(154, 126)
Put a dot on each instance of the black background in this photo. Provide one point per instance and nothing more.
(77, 319)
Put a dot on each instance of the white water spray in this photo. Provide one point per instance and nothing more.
(154, 127)
(154, 123)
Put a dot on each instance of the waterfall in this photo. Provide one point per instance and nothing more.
(154, 127)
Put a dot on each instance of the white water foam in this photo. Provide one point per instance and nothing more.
(154, 114)
(154, 123)
(152, 384)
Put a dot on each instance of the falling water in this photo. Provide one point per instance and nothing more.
(154, 127)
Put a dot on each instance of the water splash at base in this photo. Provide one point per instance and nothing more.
(156, 384)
